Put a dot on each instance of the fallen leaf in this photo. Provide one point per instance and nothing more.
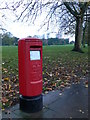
(45, 79)
(86, 86)
(60, 93)
(80, 110)
(45, 83)
(6, 79)
(46, 92)
(16, 85)
(4, 100)
(57, 73)
(17, 92)
(50, 74)
(70, 117)
(62, 86)
(3, 109)
(43, 107)
(50, 89)
(9, 87)
(11, 103)
(54, 85)
(86, 82)
(2, 80)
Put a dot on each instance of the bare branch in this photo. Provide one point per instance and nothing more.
(87, 15)
(61, 14)
(70, 9)
(26, 9)
(74, 8)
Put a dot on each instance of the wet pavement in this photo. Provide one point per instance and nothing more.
(72, 103)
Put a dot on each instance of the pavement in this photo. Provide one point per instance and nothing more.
(70, 104)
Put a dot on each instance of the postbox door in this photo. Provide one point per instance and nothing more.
(34, 69)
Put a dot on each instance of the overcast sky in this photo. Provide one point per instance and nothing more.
(22, 29)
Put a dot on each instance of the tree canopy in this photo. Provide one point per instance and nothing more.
(67, 16)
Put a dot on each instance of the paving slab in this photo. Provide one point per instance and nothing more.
(72, 103)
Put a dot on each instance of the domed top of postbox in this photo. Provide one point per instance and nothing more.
(30, 39)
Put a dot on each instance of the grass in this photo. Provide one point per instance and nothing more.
(51, 54)
(10, 59)
(60, 67)
(64, 54)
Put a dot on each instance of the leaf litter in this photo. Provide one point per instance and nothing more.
(58, 73)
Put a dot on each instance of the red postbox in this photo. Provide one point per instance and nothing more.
(30, 74)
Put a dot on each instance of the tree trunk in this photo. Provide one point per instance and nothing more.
(88, 32)
(83, 38)
(78, 35)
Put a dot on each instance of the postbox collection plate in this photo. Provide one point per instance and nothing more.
(34, 55)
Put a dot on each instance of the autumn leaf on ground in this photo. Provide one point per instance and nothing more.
(60, 94)
(4, 100)
(86, 84)
(46, 92)
(6, 79)
(49, 89)
(81, 111)
(61, 68)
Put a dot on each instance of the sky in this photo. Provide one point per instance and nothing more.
(23, 29)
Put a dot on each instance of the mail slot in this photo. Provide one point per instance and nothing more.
(30, 74)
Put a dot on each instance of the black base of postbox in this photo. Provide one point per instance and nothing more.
(31, 104)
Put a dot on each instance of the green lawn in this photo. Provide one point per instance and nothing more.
(61, 67)
(52, 56)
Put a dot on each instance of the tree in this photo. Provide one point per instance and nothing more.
(9, 39)
(78, 12)
(86, 29)
(66, 15)
(15, 40)
(6, 39)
